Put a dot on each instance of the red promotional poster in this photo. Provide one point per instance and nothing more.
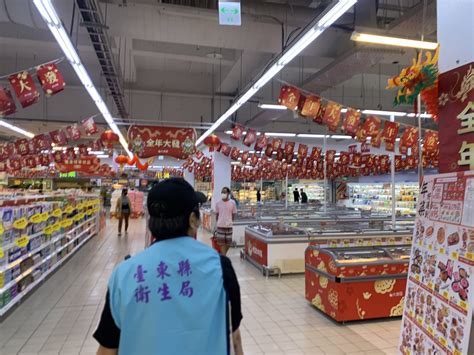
(250, 137)
(73, 132)
(276, 144)
(22, 147)
(330, 155)
(390, 133)
(438, 307)
(302, 150)
(319, 117)
(234, 153)
(89, 126)
(151, 141)
(24, 88)
(456, 119)
(7, 105)
(311, 106)
(332, 115)
(372, 126)
(269, 150)
(261, 143)
(50, 78)
(289, 148)
(225, 149)
(58, 137)
(237, 132)
(351, 122)
(289, 97)
(430, 142)
(409, 139)
(87, 165)
(316, 153)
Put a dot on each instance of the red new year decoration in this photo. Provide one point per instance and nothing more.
(261, 142)
(24, 88)
(430, 142)
(289, 97)
(311, 106)
(212, 141)
(332, 115)
(42, 141)
(225, 149)
(390, 133)
(87, 165)
(409, 139)
(7, 105)
(73, 132)
(109, 138)
(351, 121)
(372, 126)
(302, 150)
(250, 137)
(89, 126)
(21, 146)
(237, 132)
(50, 78)
(58, 137)
(235, 153)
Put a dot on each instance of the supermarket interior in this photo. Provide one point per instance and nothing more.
(236, 177)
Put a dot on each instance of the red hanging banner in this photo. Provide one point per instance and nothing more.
(409, 139)
(24, 88)
(250, 137)
(73, 132)
(311, 106)
(332, 115)
(289, 97)
(430, 142)
(58, 137)
(351, 121)
(276, 144)
(50, 78)
(269, 150)
(280, 154)
(319, 117)
(376, 141)
(7, 105)
(289, 148)
(316, 153)
(225, 149)
(237, 132)
(89, 126)
(302, 150)
(330, 155)
(372, 126)
(151, 141)
(22, 147)
(261, 142)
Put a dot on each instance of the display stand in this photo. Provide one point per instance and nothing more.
(439, 302)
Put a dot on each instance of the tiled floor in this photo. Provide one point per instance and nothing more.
(61, 315)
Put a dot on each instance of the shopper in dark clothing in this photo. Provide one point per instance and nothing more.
(173, 297)
(304, 197)
(296, 195)
(259, 196)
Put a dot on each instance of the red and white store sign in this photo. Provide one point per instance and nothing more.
(456, 119)
(256, 249)
(87, 164)
(151, 141)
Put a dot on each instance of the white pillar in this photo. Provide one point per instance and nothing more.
(189, 177)
(455, 33)
(220, 176)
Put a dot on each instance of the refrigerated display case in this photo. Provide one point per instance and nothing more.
(357, 283)
(279, 247)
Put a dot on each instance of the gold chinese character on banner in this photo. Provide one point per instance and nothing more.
(175, 143)
(51, 77)
(150, 142)
(23, 85)
(467, 155)
(166, 144)
(467, 119)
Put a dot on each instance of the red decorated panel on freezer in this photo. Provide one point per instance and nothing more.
(256, 249)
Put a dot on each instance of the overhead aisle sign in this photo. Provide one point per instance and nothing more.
(439, 298)
(229, 13)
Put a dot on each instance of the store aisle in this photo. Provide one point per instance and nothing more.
(60, 316)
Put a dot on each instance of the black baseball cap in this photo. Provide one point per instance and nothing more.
(172, 198)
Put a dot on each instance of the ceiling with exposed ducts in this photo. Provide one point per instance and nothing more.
(169, 62)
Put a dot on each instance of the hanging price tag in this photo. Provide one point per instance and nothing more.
(56, 226)
(68, 210)
(442, 341)
(470, 256)
(77, 217)
(2, 229)
(44, 216)
(48, 230)
(455, 255)
(442, 251)
(463, 305)
(57, 212)
(65, 223)
(2, 279)
(446, 294)
(2, 254)
(80, 206)
(36, 218)
(20, 223)
(22, 241)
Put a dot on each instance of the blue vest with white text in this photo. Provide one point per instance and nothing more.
(170, 299)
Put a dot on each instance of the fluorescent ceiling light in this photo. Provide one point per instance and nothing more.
(397, 139)
(336, 136)
(272, 107)
(312, 32)
(343, 110)
(16, 129)
(98, 152)
(102, 156)
(308, 135)
(393, 41)
(424, 115)
(50, 16)
(384, 113)
(270, 134)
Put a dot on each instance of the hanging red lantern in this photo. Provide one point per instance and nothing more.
(109, 138)
(212, 142)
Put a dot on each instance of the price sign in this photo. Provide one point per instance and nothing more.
(20, 223)
(469, 256)
(57, 212)
(455, 255)
(48, 230)
(446, 294)
(22, 241)
(68, 209)
(36, 218)
(430, 285)
(2, 279)
(2, 254)
(2, 229)
(430, 330)
(442, 251)
(463, 305)
(430, 247)
(56, 226)
(443, 341)
(417, 277)
(77, 217)
(65, 223)
(44, 216)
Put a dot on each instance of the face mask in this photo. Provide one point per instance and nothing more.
(224, 196)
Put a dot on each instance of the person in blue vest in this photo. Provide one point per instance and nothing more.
(178, 296)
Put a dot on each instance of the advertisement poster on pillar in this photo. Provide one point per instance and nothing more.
(152, 141)
(456, 119)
